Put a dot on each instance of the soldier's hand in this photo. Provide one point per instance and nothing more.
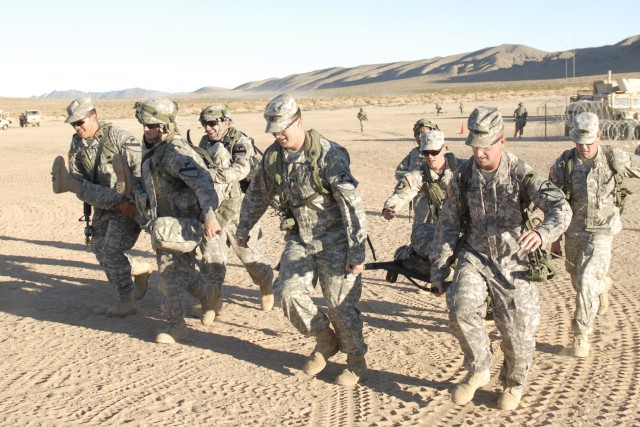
(437, 288)
(211, 228)
(127, 209)
(529, 241)
(389, 213)
(243, 242)
(354, 268)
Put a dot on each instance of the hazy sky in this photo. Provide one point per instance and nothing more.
(181, 46)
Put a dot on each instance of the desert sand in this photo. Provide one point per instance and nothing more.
(63, 365)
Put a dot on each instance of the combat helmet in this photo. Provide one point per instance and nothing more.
(214, 112)
(157, 111)
(423, 122)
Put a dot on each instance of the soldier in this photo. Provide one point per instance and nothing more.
(461, 107)
(487, 195)
(438, 109)
(175, 184)
(324, 219)
(589, 174)
(413, 161)
(92, 179)
(362, 117)
(234, 172)
(430, 182)
(520, 117)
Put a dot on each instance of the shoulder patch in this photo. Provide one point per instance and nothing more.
(189, 169)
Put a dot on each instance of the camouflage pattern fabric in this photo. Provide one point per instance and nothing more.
(596, 219)
(330, 232)
(491, 260)
(341, 292)
(113, 233)
(231, 166)
(520, 115)
(179, 186)
(588, 259)
(411, 162)
(412, 187)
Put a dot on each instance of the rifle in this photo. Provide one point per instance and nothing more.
(395, 268)
(88, 228)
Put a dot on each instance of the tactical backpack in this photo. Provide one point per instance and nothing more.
(540, 268)
(437, 196)
(567, 164)
(230, 141)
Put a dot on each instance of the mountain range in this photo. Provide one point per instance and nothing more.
(504, 63)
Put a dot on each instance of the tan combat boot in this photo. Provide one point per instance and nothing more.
(207, 301)
(463, 392)
(175, 332)
(604, 297)
(141, 271)
(356, 371)
(510, 398)
(326, 346)
(124, 307)
(124, 177)
(62, 181)
(580, 345)
(266, 297)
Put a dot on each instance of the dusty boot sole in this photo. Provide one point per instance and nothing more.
(208, 317)
(266, 302)
(57, 170)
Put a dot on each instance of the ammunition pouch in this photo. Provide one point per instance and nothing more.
(177, 235)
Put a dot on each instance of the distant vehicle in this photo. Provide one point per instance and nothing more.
(615, 102)
(30, 117)
(4, 123)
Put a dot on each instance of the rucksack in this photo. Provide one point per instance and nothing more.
(567, 163)
(230, 140)
(540, 268)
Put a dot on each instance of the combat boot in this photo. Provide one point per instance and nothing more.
(356, 371)
(510, 398)
(266, 297)
(124, 178)
(62, 181)
(175, 332)
(124, 307)
(463, 392)
(580, 345)
(604, 297)
(208, 301)
(141, 271)
(326, 346)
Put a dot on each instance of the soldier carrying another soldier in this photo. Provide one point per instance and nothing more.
(486, 203)
(91, 177)
(324, 219)
(591, 176)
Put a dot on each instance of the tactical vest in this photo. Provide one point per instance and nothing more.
(567, 164)
(540, 268)
(312, 151)
(437, 196)
(106, 150)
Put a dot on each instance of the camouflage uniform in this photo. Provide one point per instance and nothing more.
(175, 184)
(520, 115)
(411, 162)
(490, 261)
(232, 155)
(329, 231)
(415, 187)
(113, 233)
(596, 219)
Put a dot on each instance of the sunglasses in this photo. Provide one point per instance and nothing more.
(153, 126)
(285, 128)
(78, 123)
(211, 123)
(431, 153)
